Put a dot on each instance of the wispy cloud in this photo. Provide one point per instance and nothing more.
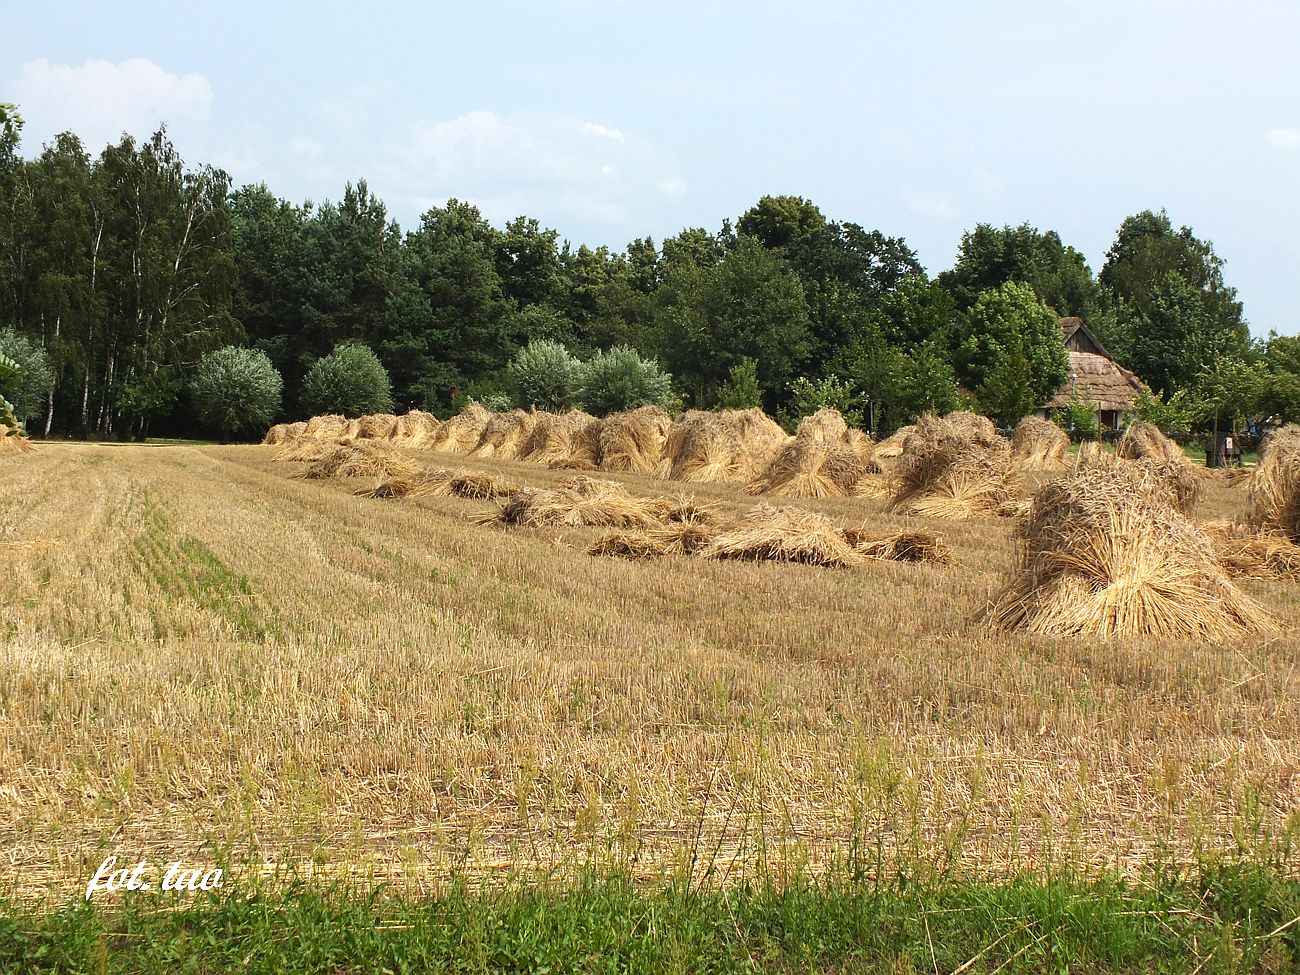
(1283, 138)
(99, 100)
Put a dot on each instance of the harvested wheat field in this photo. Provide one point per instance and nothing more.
(202, 652)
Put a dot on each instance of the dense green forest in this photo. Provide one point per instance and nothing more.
(120, 271)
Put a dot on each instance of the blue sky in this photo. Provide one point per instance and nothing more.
(612, 120)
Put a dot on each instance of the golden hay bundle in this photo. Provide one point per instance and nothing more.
(462, 432)
(366, 459)
(765, 533)
(730, 445)
(633, 442)
(15, 443)
(414, 429)
(376, 426)
(304, 450)
(1275, 485)
(1039, 443)
(861, 442)
(1177, 480)
(1090, 451)
(571, 436)
(971, 426)
(681, 538)
(892, 446)
(952, 468)
(504, 435)
(1248, 554)
(1144, 440)
(284, 433)
(810, 467)
(326, 427)
(825, 424)
(580, 501)
(875, 488)
(441, 482)
(913, 545)
(1102, 554)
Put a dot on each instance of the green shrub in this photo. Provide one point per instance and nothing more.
(1079, 419)
(741, 390)
(621, 380)
(350, 380)
(28, 391)
(236, 391)
(830, 392)
(544, 374)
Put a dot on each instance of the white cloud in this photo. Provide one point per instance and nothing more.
(672, 186)
(1283, 138)
(595, 128)
(99, 100)
(541, 164)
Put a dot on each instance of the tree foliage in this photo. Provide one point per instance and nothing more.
(350, 380)
(620, 379)
(28, 391)
(544, 374)
(236, 391)
(1011, 351)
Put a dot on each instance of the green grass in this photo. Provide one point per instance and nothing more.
(1237, 919)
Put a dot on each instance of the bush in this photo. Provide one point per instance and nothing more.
(28, 392)
(1174, 415)
(1079, 419)
(545, 375)
(828, 393)
(621, 380)
(741, 390)
(350, 380)
(10, 377)
(236, 391)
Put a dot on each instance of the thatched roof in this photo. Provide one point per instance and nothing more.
(1099, 380)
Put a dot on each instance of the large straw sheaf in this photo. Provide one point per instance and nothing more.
(462, 432)
(15, 443)
(810, 467)
(365, 459)
(582, 502)
(1039, 444)
(785, 534)
(1103, 554)
(892, 446)
(909, 545)
(1144, 441)
(826, 424)
(441, 482)
(326, 427)
(376, 426)
(1275, 485)
(570, 438)
(633, 442)
(283, 433)
(504, 435)
(414, 429)
(1248, 553)
(730, 445)
(953, 468)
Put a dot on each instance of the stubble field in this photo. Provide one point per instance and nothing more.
(203, 658)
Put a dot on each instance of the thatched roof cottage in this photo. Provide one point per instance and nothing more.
(1095, 376)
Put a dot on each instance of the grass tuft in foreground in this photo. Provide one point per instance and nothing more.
(1232, 919)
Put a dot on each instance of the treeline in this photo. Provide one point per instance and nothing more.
(118, 272)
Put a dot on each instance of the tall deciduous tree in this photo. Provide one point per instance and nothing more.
(1010, 323)
(989, 257)
(1175, 314)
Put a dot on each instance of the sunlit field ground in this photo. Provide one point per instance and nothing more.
(202, 657)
